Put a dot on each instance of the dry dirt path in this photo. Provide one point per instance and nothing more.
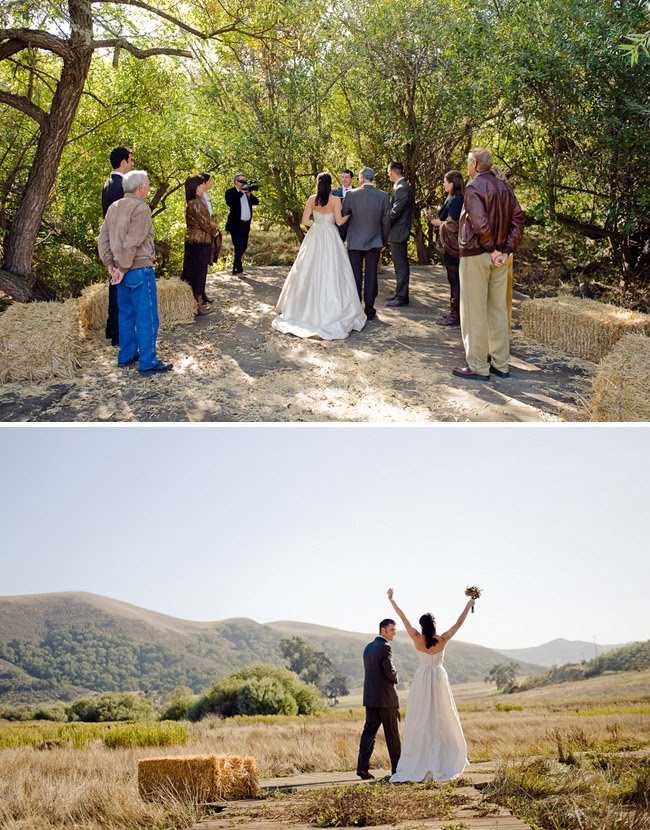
(474, 814)
(232, 366)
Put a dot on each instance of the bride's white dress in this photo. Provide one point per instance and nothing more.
(433, 744)
(319, 296)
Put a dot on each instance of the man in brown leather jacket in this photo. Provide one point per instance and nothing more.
(490, 228)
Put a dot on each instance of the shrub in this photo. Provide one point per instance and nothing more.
(110, 707)
(259, 690)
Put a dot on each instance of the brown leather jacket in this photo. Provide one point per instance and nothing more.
(492, 218)
(200, 228)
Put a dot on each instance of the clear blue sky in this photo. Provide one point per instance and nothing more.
(314, 524)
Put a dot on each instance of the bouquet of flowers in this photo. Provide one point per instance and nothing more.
(473, 592)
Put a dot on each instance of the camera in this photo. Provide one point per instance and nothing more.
(251, 185)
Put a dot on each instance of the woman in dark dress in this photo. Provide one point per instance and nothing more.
(447, 224)
(199, 240)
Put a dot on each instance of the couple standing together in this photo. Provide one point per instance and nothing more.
(322, 294)
(434, 747)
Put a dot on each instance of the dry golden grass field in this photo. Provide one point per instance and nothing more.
(95, 787)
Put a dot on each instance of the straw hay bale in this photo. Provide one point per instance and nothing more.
(175, 304)
(198, 778)
(621, 389)
(583, 328)
(39, 341)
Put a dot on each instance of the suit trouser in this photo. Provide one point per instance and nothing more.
(112, 322)
(484, 313)
(398, 252)
(240, 243)
(366, 284)
(377, 716)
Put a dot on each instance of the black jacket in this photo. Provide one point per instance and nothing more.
(380, 675)
(233, 200)
(401, 211)
(112, 191)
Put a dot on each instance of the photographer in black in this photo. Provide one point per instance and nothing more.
(240, 201)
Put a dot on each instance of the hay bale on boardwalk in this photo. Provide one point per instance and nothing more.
(621, 389)
(582, 328)
(175, 304)
(200, 778)
(39, 341)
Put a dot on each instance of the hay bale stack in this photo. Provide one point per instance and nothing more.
(582, 328)
(621, 390)
(39, 341)
(198, 778)
(175, 304)
(93, 306)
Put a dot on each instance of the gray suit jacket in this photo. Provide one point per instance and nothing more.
(380, 672)
(401, 211)
(369, 222)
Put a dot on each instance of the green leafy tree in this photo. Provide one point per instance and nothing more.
(111, 707)
(504, 675)
(310, 665)
(337, 687)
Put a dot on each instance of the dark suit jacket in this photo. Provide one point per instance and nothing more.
(401, 211)
(233, 200)
(112, 191)
(338, 191)
(369, 220)
(380, 674)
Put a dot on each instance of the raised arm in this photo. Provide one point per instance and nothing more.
(412, 632)
(306, 214)
(449, 634)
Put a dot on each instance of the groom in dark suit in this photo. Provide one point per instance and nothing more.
(122, 163)
(368, 226)
(380, 699)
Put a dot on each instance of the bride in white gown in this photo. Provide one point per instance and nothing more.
(433, 744)
(319, 297)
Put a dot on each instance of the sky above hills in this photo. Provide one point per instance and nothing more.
(315, 523)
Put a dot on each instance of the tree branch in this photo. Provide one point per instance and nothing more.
(175, 20)
(140, 53)
(41, 40)
(23, 104)
(10, 47)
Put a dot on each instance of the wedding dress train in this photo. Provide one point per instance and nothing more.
(319, 296)
(433, 744)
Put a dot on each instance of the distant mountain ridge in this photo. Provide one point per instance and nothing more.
(64, 645)
(559, 651)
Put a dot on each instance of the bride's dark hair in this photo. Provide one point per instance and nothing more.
(428, 626)
(323, 188)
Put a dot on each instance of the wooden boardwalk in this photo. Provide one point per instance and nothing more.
(470, 815)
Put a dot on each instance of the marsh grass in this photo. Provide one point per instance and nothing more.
(48, 735)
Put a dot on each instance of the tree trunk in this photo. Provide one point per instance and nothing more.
(19, 248)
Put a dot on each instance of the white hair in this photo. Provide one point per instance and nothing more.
(133, 179)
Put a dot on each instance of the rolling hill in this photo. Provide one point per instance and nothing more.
(559, 651)
(66, 644)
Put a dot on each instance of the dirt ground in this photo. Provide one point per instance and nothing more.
(232, 366)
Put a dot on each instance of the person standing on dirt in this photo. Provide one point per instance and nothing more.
(380, 699)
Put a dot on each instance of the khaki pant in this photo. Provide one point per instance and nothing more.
(484, 313)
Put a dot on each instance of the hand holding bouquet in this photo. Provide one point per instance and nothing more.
(473, 592)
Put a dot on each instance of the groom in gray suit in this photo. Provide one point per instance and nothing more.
(368, 226)
(380, 699)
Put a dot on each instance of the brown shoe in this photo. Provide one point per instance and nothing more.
(202, 310)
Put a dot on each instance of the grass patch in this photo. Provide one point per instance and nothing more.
(508, 707)
(367, 805)
(596, 792)
(613, 710)
(47, 735)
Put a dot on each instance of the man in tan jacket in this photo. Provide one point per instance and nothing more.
(490, 228)
(126, 248)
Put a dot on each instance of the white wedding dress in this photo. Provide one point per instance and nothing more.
(319, 296)
(433, 745)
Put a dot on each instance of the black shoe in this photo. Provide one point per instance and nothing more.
(396, 302)
(467, 374)
(498, 372)
(449, 320)
(207, 300)
(159, 367)
(134, 359)
(371, 313)
(367, 776)
(115, 341)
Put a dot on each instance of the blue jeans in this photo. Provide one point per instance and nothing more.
(138, 317)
